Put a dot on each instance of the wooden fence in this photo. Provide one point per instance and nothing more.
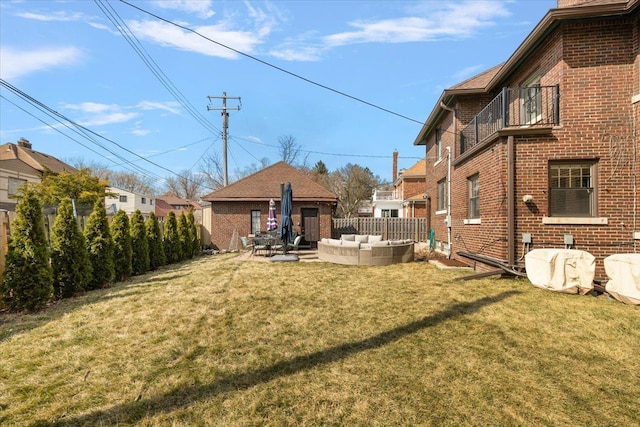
(388, 228)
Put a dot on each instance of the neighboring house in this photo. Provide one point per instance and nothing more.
(19, 164)
(544, 148)
(168, 202)
(242, 208)
(407, 198)
(128, 201)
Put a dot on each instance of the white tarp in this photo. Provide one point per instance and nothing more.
(562, 270)
(624, 277)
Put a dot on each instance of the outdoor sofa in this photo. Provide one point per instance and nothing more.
(363, 249)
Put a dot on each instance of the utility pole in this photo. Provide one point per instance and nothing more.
(225, 125)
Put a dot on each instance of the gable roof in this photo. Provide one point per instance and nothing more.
(495, 76)
(264, 185)
(173, 200)
(419, 168)
(35, 159)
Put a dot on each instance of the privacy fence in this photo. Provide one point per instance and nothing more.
(388, 228)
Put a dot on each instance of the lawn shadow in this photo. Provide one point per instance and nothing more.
(182, 397)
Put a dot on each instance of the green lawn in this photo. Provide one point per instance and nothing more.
(215, 341)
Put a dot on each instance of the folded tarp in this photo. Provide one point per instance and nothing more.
(562, 270)
(624, 277)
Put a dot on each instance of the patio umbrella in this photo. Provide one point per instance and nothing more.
(272, 222)
(285, 215)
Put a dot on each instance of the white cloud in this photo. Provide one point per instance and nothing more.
(201, 8)
(140, 132)
(17, 63)
(171, 106)
(434, 21)
(96, 114)
(60, 16)
(169, 35)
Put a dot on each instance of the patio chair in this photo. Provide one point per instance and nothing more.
(246, 244)
(295, 245)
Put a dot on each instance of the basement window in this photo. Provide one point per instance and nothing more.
(572, 189)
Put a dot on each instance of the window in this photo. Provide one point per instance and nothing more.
(123, 199)
(151, 202)
(389, 213)
(14, 184)
(144, 200)
(442, 194)
(571, 189)
(531, 96)
(255, 222)
(438, 144)
(474, 196)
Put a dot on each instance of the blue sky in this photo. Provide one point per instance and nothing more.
(302, 69)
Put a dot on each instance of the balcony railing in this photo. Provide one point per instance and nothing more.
(379, 195)
(513, 107)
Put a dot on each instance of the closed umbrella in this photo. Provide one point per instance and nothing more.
(272, 222)
(286, 227)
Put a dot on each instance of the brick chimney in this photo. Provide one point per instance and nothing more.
(24, 143)
(394, 174)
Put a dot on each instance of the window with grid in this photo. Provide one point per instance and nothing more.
(438, 144)
(571, 189)
(389, 213)
(123, 199)
(531, 98)
(473, 183)
(442, 194)
(14, 184)
(144, 200)
(255, 222)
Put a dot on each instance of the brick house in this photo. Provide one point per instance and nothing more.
(241, 208)
(407, 197)
(543, 150)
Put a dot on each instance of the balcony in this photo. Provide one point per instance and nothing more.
(387, 195)
(533, 106)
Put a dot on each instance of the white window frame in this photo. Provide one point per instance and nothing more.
(442, 195)
(531, 100)
(255, 221)
(473, 200)
(577, 176)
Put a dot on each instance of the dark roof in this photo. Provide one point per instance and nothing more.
(173, 200)
(264, 185)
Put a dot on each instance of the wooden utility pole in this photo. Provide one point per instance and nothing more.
(225, 125)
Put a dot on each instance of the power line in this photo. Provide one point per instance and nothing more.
(298, 76)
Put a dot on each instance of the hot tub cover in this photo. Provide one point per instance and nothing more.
(562, 270)
(624, 277)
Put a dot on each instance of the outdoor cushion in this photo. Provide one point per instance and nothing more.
(350, 237)
(350, 244)
(334, 242)
(362, 238)
(374, 238)
(380, 243)
(396, 242)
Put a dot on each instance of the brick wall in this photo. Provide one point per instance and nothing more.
(597, 67)
(236, 216)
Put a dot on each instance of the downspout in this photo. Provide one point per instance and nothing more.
(511, 249)
(455, 134)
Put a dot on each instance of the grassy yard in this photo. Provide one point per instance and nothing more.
(215, 341)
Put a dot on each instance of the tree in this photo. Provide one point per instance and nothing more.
(28, 277)
(172, 249)
(69, 256)
(122, 251)
(352, 184)
(320, 168)
(186, 184)
(79, 186)
(129, 181)
(290, 151)
(100, 247)
(154, 238)
(140, 260)
(212, 169)
(193, 234)
(183, 237)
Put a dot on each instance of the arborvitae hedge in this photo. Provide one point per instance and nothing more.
(183, 236)
(28, 277)
(121, 235)
(172, 249)
(154, 237)
(193, 234)
(69, 256)
(100, 247)
(139, 245)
